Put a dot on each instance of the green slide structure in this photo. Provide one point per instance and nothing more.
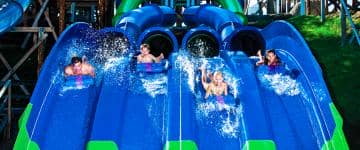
(127, 5)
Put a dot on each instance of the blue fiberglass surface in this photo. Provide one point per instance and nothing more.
(219, 127)
(285, 111)
(11, 13)
(55, 97)
(68, 128)
(62, 107)
(132, 108)
(289, 116)
(283, 36)
(210, 124)
(256, 129)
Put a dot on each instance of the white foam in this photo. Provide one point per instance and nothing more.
(227, 126)
(155, 86)
(281, 84)
(113, 62)
(187, 65)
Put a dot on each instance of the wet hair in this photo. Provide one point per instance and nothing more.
(75, 60)
(145, 46)
(217, 73)
(266, 61)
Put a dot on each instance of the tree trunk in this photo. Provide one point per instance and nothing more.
(270, 7)
(101, 20)
(308, 7)
(62, 15)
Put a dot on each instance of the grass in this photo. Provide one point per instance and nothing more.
(339, 67)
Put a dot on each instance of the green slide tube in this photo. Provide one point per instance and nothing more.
(231, 5)
(235, 7)
(125, 6)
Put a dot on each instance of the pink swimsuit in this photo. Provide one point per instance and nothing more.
(148, 67)
(220, 99)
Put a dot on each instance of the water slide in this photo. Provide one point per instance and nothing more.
(58, 112)
(124, 6)
(132, 108)
(299, 113)
(70, 112)
(126, 108)
(11, 13)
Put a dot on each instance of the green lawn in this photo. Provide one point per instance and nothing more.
(340, 68)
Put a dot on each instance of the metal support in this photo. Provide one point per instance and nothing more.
(72, 10)
(9, 112)
(322, 11)
(7, 65)
(35, 23)
(343, 25)
(93, 14)
(302, 7)
(277, 6)
(41, 51)
(32, 29)
(3, 89)
(192, 3)
(166, 2)
(47, 17)
(172, 3)
(345, 12)
(22, 60)
(7, 86)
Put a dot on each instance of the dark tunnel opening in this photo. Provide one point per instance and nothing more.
(203, 45)
(159, 43)
(247, 41)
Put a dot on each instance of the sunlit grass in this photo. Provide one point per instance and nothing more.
(338, 63)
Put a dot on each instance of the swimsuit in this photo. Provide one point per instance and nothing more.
(220, 99)
(78, 81)
(217, 90)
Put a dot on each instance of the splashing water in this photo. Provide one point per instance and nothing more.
(225, 118)
(111, 63)
(201, 47)
(189, 65)
(155, 85)
(281, 84)
(111, 47)
(184, 62)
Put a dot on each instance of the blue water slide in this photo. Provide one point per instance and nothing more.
(250, 95)
(11, 13)
(62, 107)
(302, 121)
(136, 21)
(253, 119)
(312, 110)
(147, 25)
(132, 106)
(225, 23)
